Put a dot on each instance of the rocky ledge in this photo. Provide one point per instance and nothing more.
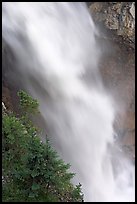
(116, 16)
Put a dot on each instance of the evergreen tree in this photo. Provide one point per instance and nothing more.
(32, 170)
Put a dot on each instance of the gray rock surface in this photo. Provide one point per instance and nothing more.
(116, 16)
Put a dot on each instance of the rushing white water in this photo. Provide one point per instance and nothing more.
(56, 48)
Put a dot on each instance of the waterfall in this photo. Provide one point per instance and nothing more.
(57, 52)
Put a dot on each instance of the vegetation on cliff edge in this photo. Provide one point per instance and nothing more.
(32, 170)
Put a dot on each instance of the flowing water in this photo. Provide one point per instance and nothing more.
(57, 51)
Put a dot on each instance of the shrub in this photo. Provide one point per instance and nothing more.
(32, 170)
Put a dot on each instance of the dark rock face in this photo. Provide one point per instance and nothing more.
(118, 72)
(116, 16)
(11, 82)
(116, 21)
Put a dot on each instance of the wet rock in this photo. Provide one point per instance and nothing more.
(3, 106)
(132, 10)
(116, 16)
(118, 72)
(6, 98)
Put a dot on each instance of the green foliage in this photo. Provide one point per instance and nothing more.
(27, 103)
(32, 170)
